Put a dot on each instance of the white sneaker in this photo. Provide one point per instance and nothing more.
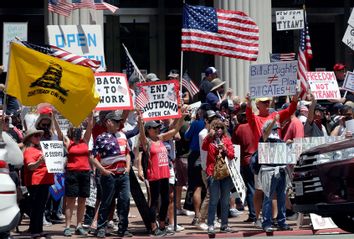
(203, 226)
(235, 213)
(217, 224)
(258, 224)
(171, 227)
(189, 213)
(46, 223)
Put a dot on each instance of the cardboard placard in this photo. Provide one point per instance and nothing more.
(275, 79)
(82, 40)
(53, 152)
(320, 223)
(114, 91)
(159, 100)
(10, 31)
(348, 38)
(289, 20)
(323, 84)
(349, 81)
(275, 153)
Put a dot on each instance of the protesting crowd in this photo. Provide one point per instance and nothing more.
(187, 151)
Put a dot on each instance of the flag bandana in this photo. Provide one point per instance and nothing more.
(34, 78)
(219, 32)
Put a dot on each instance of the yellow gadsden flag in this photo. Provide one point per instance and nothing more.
(34, 78)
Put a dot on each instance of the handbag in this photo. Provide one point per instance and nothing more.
(220, 168)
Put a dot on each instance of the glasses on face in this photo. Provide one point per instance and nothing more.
(116, 121)
(157, 127)
(266, 102)
(219, 127)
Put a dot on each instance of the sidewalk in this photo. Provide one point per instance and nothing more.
(136, 226)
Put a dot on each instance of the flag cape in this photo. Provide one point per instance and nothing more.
(34, 78)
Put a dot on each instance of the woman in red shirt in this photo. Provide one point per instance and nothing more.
(37, 179)
(218, 142)
(77, 175)
(158, 171)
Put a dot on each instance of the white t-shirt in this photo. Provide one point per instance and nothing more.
(203, 153)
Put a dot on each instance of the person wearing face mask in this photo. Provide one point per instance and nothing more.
(346, 113)
(313, 126)
(218, 144)
(77, 175)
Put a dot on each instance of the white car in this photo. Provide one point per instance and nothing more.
(9, 210)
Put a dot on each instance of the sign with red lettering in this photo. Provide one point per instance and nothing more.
(114, 91)
(323, 84)
(158, 100)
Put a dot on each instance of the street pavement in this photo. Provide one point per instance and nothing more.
(242, 229)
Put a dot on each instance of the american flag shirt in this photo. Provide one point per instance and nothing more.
(112, 150)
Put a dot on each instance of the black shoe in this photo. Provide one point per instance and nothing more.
(126, 233)
(250, 220)
(226, 229)
(101, 233)
(159, 233)
(285, 227)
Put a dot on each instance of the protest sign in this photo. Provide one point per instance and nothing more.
(349, 81)
(114, 91)
(53, 152)
(275, 79)
(274, 153)
(64, 123)
(235, 174)
(320, 223)
(91, 201)
(82, 40)
(323, 84)
(351, 19)
(348, 38)
(289, 20)
(12, 30)
(159, 100)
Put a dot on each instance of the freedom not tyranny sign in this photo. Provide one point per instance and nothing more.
(159, 100)
(323, 84)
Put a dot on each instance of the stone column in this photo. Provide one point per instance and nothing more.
(235, 71)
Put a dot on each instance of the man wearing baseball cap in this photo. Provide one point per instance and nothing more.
(340, 70)
(205, 84)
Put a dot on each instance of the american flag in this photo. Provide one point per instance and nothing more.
(77, 4)
(305, 55)
(61, 7)
(136, 71)
(101, 5)
(274, 57)
(219, 32)
(129, 68)
(142, 99)
(64, 55)
(189, 84)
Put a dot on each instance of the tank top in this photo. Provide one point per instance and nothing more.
(158, 162)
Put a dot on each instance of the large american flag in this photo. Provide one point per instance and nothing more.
(77, 4)
(61, 7)
(219, 32)
(189, 84)
(64, 55)
(305, 55)
(274, 57)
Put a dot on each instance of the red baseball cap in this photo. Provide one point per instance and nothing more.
(338, 67)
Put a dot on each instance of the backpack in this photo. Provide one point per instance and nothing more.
(254, 165)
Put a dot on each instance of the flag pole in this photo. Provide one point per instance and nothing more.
(141, 77)
(181, 67)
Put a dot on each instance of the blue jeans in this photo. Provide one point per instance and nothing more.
(277, 186)
(115, 186)
(219, 189)
(248, 178)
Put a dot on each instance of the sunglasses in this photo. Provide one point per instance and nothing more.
(157, 127)
(116, 121)
(219, 127)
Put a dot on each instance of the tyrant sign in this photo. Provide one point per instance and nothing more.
(289, 20)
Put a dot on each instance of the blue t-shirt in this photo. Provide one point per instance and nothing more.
(192, 134)
(212, 99)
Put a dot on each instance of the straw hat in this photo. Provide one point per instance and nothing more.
(217, 82)
(31, 132)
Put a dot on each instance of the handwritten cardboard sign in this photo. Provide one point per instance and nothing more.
(114, 91)
(323, 84)
(159, 100)
(289, 20)
(274, 153)
(275, 79)
(53, 152)
(348, 38)
(349, 81)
